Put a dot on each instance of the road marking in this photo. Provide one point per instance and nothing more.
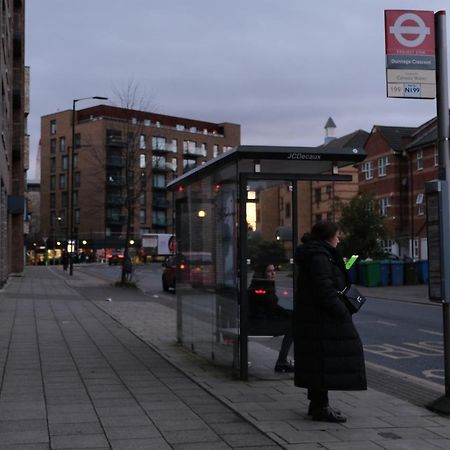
(434, 373)
(389, 324)
(407, 349)
(435, 333)
(430, 384)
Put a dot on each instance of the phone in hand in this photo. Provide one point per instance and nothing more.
(351, 261)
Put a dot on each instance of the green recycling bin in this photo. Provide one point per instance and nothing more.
(372, 273)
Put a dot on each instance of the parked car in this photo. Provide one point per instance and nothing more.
(115, 257)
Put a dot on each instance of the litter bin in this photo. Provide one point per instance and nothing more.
(362, 273)
(397, 273)
(422, 270)
(372, 273)
(384, 272)
(410, 273)
(353, 274)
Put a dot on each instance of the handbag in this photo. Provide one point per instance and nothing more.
(352, 298)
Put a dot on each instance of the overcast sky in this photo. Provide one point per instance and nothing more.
(279, 68)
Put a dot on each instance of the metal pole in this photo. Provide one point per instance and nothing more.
(70, 199)
(442, 404)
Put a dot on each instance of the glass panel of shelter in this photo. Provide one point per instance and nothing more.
(269, 213)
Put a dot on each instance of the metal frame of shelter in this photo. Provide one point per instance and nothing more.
(209, 205)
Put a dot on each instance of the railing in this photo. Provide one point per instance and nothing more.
(164, 166)
(115, 219)
(115, 141)
(164, 148)
(160, 203)
(197, 151)
(115, 181)
(115, 161)
(115, 200)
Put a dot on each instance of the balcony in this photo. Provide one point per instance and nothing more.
(115, 200)
(115, 161)
(115, 219)
(160, 203)
(189, 167)
(115, 181)
(115, 141)
(158, 187)
(163, 166)
(164, 148)
(197, 151)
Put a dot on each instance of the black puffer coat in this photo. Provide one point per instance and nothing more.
(328, 351)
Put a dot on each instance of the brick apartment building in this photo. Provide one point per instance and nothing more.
(166, 147)
(400, 160)
(14, 107)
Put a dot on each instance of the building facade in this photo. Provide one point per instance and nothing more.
(14, 107)
(122, 161)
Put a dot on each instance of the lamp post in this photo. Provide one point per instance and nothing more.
(71, 241)
(58, 220)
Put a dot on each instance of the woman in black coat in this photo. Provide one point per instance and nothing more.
(328, 350)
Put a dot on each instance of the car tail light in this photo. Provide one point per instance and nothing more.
(260, 291)
(182, 266)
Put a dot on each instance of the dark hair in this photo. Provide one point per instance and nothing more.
(323, 231)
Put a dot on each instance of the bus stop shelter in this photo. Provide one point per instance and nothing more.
(249, 205)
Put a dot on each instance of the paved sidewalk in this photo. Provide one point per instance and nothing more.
(86, 365)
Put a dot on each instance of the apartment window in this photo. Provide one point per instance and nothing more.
(329, 191)
(179, 127)
(142, 145)
(62, 144)
(147, 122)
(189, 146)
(419, 160)
(287, 210)
(62, 181)
(436, 157)
(64, 199)
(317, 195)
(158, 143)
(77, 179)
(367, 170)
(143, 180)
(188, 164)
(173, 146)
(77, 140)
(159, 181)
(75, 161)
(420, 204)
(52, 146)
(75, 198)
(52, 165)
(159, 218)
(52, 201)
(415, 248)
(382, 166)
(142, 199)
(53, 126)
(142, 161)
(215, 150)
(52, 182)
(387, 245)
(77, 216)
(174, 164)
(64, 162)
(142, 218)
(385, 204)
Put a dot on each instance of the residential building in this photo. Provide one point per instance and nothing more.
(119, 151)
(14, 107)
(326, 196)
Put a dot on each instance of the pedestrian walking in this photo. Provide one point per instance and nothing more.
(64, 260)
(328, 350)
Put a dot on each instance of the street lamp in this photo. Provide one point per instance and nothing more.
(71, 242)
(58, 220)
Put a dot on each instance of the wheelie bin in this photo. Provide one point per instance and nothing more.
(397, 273)
(384, 272)
(422, 270)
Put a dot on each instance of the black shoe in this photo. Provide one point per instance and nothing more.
(328, 414)
(284, 367)
(311, 409)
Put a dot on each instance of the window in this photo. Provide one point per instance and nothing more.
(215, 150)
(77, 216)
(52, 201)
(329, 190)
(142, 145)
(142, 199)
(77, 140)
(174, 164)
(179, 127)
(75, 198)
(52, 146)
(158, 143)
(420, 204)
(52, 182)
(147, 122)
(75, 161)
(64, 162)
(159, 218)
(159, 181)
(142, 161)
(52, 165)
(382, 166)
(287, 210)
(436, 156)
(77, 179)
(189, 146)
(367, 170)
(62, 181)
(53, 126)
(415, 248)
(188, 164)
(64, 199)
(317, 195)
(385, 204)
(142, 219)
(387, 245)
(419, 159)
(62, 144)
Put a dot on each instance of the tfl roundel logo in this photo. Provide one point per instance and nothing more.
(409, 32)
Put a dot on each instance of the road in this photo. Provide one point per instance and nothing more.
(403, 337)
